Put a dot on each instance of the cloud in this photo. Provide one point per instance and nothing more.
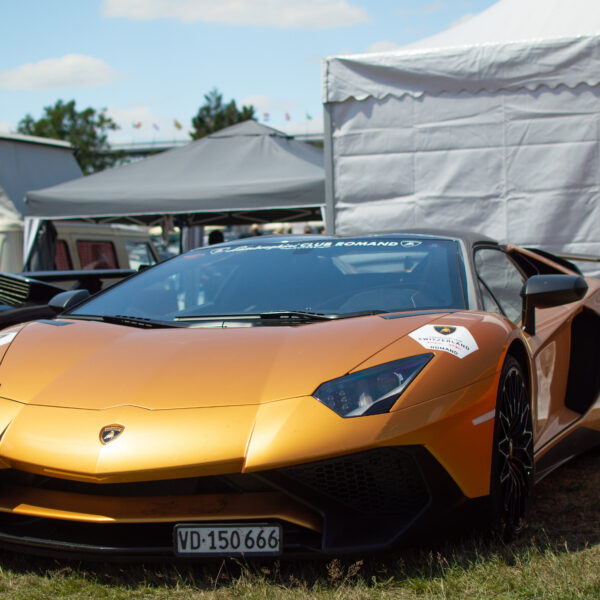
(281, 14)
(72, 70)
(419, 31)
(432, 7)
(461, 20)
(425, 9)
(268, 104)
(383, 46)
(7, 127)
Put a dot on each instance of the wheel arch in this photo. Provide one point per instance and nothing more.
(509, 501)
(519, 352)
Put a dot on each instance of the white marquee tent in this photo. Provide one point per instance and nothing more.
(492, 125)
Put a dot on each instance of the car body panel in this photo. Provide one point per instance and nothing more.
(301, 430)
(219, 422)
(49, 504)
(299, 359)
(550, 351)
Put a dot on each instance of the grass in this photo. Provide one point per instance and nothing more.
(557, 558)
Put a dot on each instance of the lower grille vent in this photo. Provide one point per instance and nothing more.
(384, 481)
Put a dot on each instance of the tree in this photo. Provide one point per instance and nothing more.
(214, 115)
(86, 130)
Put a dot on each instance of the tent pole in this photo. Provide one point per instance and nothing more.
(328, 157)
(31, 227)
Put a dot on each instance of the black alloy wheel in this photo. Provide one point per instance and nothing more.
(512, 458)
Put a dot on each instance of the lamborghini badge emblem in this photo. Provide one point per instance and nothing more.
(110, 432)
(444, 330)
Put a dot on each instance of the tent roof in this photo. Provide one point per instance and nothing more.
(518, 21)
(32, 139)
(513, 44)
(245, 167)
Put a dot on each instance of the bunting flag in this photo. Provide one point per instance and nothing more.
(287, 116)
(266, 116)
(308, 117)
(156, 126)
(137, 125)
(177, 124)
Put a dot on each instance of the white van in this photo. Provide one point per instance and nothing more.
(82, 246)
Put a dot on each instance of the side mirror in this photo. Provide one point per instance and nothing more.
(545, 291)
(66, 300)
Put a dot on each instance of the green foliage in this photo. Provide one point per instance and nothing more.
(214, 115)
(86, 130)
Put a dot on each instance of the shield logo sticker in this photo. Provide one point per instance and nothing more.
(444, 329)
(453, 339)
(110, 433)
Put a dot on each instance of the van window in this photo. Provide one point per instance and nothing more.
(96, 255)
(139, 253)
(62, 260)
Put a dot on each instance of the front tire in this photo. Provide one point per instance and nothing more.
(512, 455)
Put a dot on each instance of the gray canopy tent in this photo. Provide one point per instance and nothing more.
(246, 173)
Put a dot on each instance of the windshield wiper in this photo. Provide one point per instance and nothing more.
(363, 313)
(277, 315)
(130, 321)
(297, 314)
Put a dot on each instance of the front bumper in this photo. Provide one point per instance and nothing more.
(353, 503)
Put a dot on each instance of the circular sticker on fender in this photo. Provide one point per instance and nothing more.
(454, 339)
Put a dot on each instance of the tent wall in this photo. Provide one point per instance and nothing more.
(518, 164)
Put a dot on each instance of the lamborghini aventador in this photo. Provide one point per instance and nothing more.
(296, 395)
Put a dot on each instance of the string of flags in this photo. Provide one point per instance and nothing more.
(266, 117)
(139, 124)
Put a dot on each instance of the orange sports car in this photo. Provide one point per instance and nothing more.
(296, 395)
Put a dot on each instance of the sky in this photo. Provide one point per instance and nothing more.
(149, 63)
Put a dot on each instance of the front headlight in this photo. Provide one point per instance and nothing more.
(372, 391)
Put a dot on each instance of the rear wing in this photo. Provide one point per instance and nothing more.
(565, 259)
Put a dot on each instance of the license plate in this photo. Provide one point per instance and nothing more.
(227, 539)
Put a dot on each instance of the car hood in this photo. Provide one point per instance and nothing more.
(94, 365)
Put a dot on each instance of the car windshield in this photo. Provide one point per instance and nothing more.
(333, 277)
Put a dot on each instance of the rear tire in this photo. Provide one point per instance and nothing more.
(512, 471)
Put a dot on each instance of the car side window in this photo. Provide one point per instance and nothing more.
(502, 281)
(489, 302)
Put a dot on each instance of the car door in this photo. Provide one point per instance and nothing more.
(500, 281)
